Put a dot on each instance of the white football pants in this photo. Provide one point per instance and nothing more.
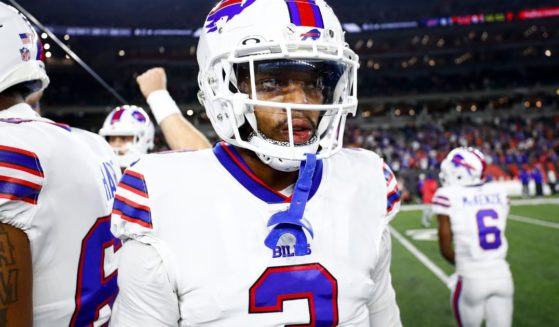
(476, 300)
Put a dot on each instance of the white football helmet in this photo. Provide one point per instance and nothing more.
(285, 39)
(463, 166)
(129, 121)
(21, 52)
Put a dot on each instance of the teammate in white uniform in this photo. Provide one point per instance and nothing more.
(268, 228)
(473, 215)
(56, 189)
(130, 133)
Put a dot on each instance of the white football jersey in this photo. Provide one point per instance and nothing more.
(206, 215)
(57, 184)
(478, 218)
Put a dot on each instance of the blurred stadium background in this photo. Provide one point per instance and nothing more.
(434, 74)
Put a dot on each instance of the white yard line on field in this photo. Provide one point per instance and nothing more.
(420, 256)
(533, 221)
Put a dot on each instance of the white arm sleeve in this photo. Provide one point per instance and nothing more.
(383, 309)
(146, 297)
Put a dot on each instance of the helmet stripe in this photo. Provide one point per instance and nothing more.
(40, 51)
(305, 13)
(117, 115)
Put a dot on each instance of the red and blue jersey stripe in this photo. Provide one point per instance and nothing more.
(392, 199)
(18, 189)
(393, 194)
(20, 159)
(135, 183)
(441, 201)
(132, 211)
(305, 13)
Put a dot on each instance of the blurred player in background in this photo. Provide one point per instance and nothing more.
(271, 227)
(178, 132)
(130, 133)
(473, 215)
(428, 189)
(56, 188)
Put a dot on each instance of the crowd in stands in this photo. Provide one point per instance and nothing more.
(515, 147)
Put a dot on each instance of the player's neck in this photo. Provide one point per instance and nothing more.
(9, 101)
(278, 180)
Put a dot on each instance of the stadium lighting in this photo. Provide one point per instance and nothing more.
(473, 108)
(66, 37)
(121, 53)
(190, 112)
(359, 44)
(48, 54)
(44, 36)
(548, 53)
(46, 46)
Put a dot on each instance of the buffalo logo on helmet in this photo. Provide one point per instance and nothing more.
(139, 116)
(226, 9)
(459, 161)
(313, 34)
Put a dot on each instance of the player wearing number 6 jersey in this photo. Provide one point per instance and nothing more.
(57, 263)
(275, 226)
(473, 215)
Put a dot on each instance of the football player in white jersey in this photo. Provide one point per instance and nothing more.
(472, 214)
(271, 227)
(56, 189)
(130, 133)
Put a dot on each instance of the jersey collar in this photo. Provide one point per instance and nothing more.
(232, 161)
(20, 111)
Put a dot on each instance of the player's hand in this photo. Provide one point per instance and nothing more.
(152, 80)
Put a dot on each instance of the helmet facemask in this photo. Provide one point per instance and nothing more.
(305, 93)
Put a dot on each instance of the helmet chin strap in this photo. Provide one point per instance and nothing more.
(286, 165)
(292, 221)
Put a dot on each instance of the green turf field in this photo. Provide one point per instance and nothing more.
(533, 255)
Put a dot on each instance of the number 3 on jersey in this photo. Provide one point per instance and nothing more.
(489, 235)
(312, 282)
(96, 287)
